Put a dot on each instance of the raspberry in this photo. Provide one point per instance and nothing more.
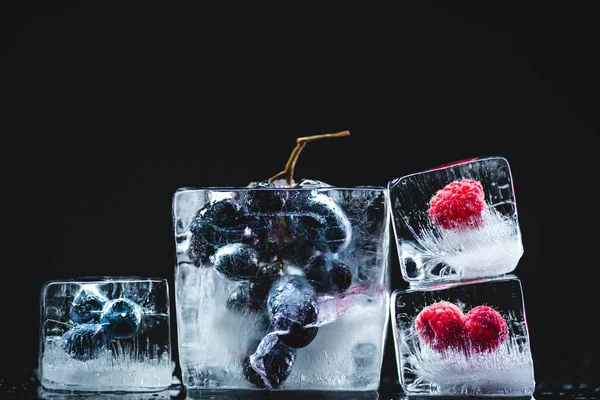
(484, 329)
(458, 205)
(440, 326)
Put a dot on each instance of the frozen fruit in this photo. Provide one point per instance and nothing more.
(264, 199)
(291, 306)
(313, 223)
(84, 342)
(237, 261)
(458, 205)
(328, 274)
(440, 326)
(86, 306)
(220, 222)
(484, 329)
(278, 366)
(120, 318)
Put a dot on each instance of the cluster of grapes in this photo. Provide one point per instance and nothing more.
(282, 247)
(97, 322)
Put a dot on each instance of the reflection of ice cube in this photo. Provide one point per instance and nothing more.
(97, 355)
(214, 340)
(461, 368)
(429, 252)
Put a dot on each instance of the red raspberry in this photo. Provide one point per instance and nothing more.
(484, 329)
(458, 205)
(440, 326)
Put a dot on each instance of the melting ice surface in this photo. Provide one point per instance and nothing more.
(491, 249)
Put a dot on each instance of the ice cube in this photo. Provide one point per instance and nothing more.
(457, 221)
(230, 335)
(105, 334)
(463, 338)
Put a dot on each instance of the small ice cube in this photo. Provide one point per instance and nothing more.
(105, 334)
(463, 338)
(458, 221)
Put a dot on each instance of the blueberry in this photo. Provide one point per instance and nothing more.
(236, 261)
(86, 306)
(278, 364)
(84, 342)
(220, 222)
(120, 318)
(291, 305)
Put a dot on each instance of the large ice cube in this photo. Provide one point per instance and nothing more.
(262, 268)
(463, 338)
(458, 221)
(105, 334)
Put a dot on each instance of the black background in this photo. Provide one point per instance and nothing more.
(107, 109)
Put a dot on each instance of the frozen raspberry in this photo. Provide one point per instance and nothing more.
(458, 205)
(440, 326)
(484, 329)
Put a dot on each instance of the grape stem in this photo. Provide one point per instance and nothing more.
(301, 142)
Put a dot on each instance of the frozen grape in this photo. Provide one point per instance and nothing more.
(278, 364)
(238, 299)
(312, 183)
(84, 342)
(87, 306)
(220, 222)
(291, 306)
(328, 274)
(315, 223)
(120, 318)
(340, 277)
(264, 199)
(237, 261)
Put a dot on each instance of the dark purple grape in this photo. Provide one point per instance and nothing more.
(315, 223)
(264, 199)
(312, 183)
(328, 274)
(291, 305)
(261, 285)
(237, 261)
(120, 318)
(238, 299)
(278, 364)
(219, 223)
(340, 277)
(84, 342)
(86, 306)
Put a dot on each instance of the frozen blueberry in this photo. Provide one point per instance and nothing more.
(84, 342)
(120, 318)
(87, 306)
